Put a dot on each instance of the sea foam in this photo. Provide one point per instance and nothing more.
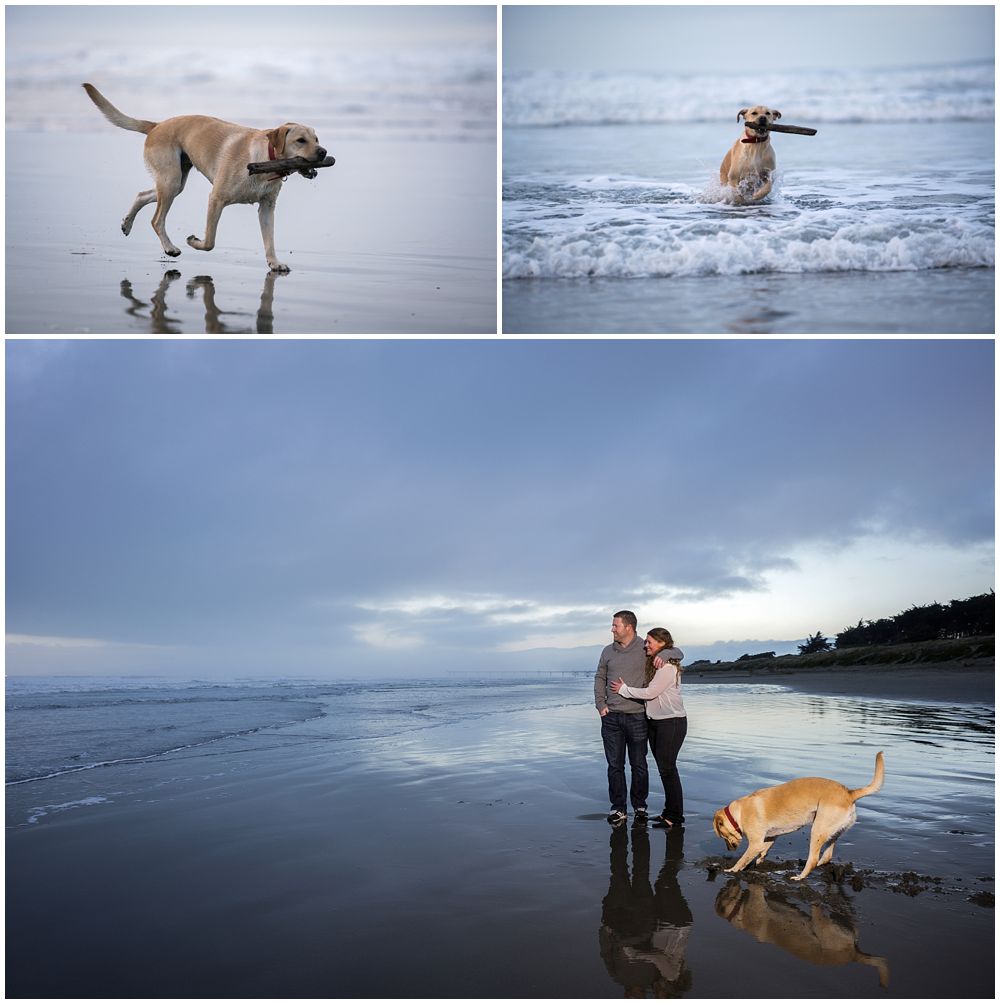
(871, 246)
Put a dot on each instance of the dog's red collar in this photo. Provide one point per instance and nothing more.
(736, 826)
(278, 175)
(755, 139)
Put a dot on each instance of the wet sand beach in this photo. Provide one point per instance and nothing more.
(398, 237)
(945, 300)
(353, 856)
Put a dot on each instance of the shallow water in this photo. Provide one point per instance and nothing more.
(579, 202)
(848, 303)
(462, 822)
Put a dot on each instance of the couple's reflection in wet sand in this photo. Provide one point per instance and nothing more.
(645, 928)
(217, 321)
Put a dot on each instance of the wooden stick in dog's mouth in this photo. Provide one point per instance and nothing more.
(796, 130)
(307, 168)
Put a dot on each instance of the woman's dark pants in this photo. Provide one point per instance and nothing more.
(666, 735)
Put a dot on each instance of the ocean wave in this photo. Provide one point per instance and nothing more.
(17, 778)
(447, 93)
(808, 245)
(38, 811)
(934, 94)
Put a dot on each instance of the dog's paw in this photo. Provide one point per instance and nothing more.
(277, 266)
(173, 252)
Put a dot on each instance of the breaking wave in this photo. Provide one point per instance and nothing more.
(932, 94)
(634, 227)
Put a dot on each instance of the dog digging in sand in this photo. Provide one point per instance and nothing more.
(750, 163)
(220, 151)
(770, 812)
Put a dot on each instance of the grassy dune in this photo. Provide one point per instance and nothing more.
(962, 652)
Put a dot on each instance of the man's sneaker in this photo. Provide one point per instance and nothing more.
(616, 816)
(641, 815)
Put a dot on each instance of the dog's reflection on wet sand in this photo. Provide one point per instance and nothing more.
(217, 321)
(813, 932)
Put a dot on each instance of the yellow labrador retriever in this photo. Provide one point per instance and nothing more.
(770, 812)
(750, 163)
(220, 151)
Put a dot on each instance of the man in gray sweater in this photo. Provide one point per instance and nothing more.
(623, 721)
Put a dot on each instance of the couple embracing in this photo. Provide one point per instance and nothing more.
(637, 691)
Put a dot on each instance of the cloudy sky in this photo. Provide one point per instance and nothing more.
(367, 508)
(699, 38)
(237, 25)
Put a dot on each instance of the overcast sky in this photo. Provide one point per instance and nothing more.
(377, 507)
(391, 27)
(703, 39)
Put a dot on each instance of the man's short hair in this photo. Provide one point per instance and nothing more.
(627, 617)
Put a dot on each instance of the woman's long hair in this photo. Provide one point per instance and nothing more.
(660, 634)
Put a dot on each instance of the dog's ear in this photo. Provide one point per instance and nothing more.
(741, 113)
(276, 137)
(776, 113)
(716, 824)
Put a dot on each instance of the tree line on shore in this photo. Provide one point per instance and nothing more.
(969, 618)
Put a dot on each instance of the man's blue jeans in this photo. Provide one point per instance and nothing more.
(623, 733)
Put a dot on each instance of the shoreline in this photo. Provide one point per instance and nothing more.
(975, 677)
(971, 680)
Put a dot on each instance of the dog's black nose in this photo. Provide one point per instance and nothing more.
(320, 153)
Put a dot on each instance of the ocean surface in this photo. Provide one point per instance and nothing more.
(615, 177)
(66, 727)
(445, 92)
(275, 838)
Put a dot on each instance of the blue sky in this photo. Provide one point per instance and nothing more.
(671, 38)
(385, 507)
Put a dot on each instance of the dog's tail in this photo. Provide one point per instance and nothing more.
(870, 789)
(114, 116)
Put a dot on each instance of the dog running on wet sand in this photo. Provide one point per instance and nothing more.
(220, 151)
